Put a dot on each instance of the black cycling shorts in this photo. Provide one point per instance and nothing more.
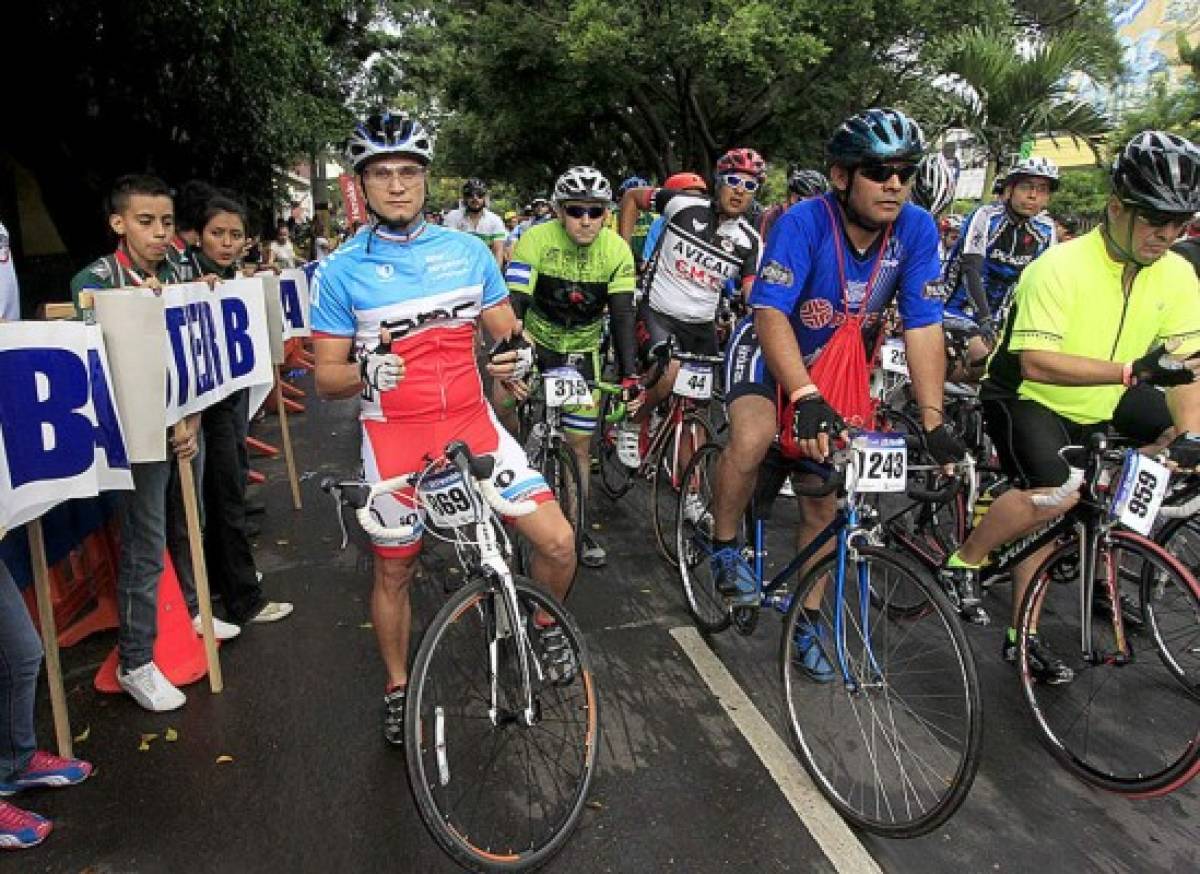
(1027, 435)
(653, 327)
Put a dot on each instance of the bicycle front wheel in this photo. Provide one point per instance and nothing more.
(891, 731)
(499, 789)
(1171, 609)
(1124, 722)
(693, 543)
(684, 438)
(616, 478)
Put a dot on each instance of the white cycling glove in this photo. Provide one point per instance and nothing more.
(382, 371)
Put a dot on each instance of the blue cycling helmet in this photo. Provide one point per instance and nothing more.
(388, 133)
(876, 135)
(633, 182)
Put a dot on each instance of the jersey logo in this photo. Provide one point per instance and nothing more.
(816, 313)
(775, 273)
(385, 271)
(698, 226)
(726, 243)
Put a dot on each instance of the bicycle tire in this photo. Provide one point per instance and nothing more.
(706, 605)
(665, 491)
(616, 478)
(893, 786)
(1131, 728)
(1169, 613)
(560, 470)
(491, 835)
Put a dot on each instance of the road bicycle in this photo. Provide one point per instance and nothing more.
(502, 723)
(891, 734)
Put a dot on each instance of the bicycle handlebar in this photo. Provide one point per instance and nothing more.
(1181, 511)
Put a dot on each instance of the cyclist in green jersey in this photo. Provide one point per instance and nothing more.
(1090, 319)
(564, 274)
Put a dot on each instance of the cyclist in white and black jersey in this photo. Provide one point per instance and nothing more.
(706, 242)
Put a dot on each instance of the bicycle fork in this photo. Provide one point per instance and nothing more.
(508, 624)
(844, 553)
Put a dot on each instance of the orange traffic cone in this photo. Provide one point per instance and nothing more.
(178, 650)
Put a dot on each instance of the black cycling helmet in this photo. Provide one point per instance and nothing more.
(1158, 171)
(876, 135)
(474, 186)
(807, 183)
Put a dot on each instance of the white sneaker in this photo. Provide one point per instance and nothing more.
(273, 611)
(222, 630)
(149, 688)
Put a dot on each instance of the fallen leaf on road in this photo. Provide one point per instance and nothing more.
(83, 735)
(645, 591)
(171, 735)
(366, 625)
(595, 526)
(222, 760)
(281, 543)
(595, 805)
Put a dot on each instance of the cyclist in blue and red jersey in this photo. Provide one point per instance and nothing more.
(395, 312)
(798, 366)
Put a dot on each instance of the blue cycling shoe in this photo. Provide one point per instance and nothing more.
(810, 643)
(734, 578)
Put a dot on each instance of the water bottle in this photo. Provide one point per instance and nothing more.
(629, 449)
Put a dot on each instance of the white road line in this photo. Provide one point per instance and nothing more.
(829, 830)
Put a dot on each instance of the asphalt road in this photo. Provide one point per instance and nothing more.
(312, 787)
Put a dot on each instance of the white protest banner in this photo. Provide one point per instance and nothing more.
(209, 344)
(274, 306)
(60, 437)
(293, 295)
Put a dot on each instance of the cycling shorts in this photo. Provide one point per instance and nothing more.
(1028, 435)
(653, 327)
(576, 419)
(746, 371)
(393, 448)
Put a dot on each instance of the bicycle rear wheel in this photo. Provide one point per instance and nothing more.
(1130, 725)
(693, 541)
(896, 751)
(496, 793)
(683, 439)
(1170, 610)
(561, 472)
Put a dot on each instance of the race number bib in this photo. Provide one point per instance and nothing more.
(694, 381)
(566, 388)
(894, 357)
(447, 500)
(1140, 493)
(882, 462)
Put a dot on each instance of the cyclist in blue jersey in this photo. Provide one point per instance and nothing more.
(997, 242)
(395, 311)
(798, 366)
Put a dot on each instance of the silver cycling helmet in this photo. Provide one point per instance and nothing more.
(582, 183)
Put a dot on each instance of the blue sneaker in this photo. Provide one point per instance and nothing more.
(810, 642)
(46, 770)
(734, 577)
(20, 829)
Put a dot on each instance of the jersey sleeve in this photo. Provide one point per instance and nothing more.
(494, 289)
(332, 310)
(493, 229)
(623, 279)
(1181, 317)
(521, 274)
(920, 298)
(786, 265)
(749, 269)
(975, 234)
(652, 237)
(1039, 318)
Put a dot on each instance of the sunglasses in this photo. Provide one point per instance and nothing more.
(880, 173)
(733, 180)
(1158, 220)
(576, 211)
(471, 194)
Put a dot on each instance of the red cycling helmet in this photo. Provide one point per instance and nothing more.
(683, 181)
(743, 161)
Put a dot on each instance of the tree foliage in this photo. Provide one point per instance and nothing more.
(528, 87)
(221, 90)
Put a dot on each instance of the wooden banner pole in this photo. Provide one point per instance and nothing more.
(54, 677)
(288, 458)
(191, 511)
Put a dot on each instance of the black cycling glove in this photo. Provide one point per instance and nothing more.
(1185, 450)
(812, 416)
(524, 350)
(944, 445)
(1158, 368)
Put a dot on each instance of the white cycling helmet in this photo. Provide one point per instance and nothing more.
(1041, 167)
(933, 189)
(582, 183)
(388, 133)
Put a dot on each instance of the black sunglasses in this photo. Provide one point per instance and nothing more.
(576, 211)
(471, 194)
(881, 173)
(1156, 219)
